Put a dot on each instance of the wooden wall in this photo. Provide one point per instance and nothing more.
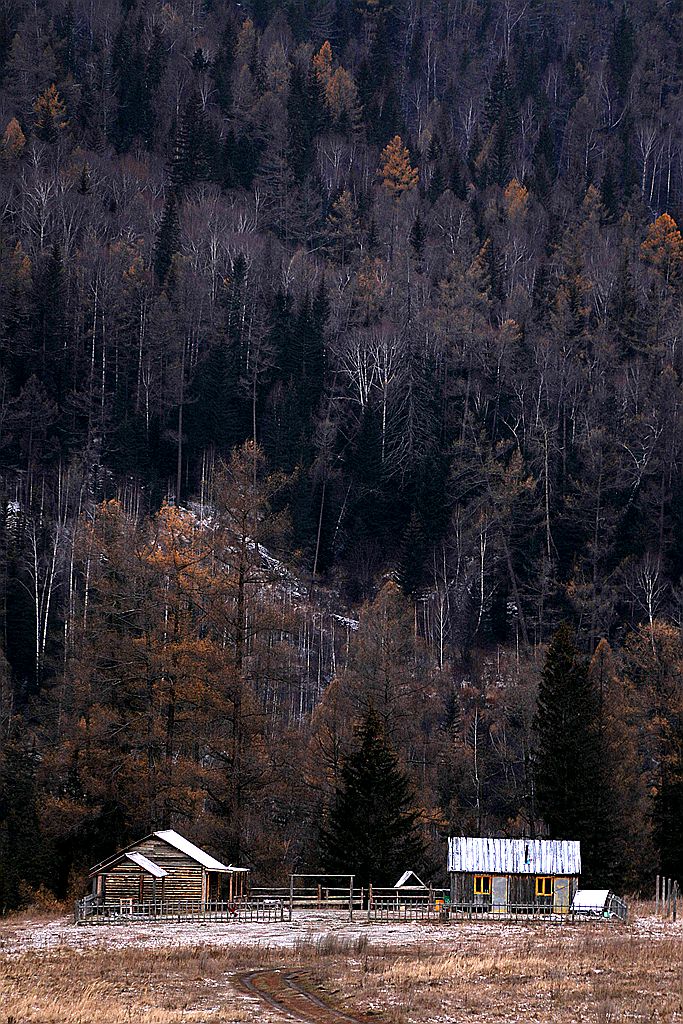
(521, 891)
(185, 879)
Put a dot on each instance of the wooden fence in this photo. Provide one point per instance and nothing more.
(667, 896)
(90, 911)
(317, 897)
(434, 906)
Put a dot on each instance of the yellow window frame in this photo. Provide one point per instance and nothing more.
(544, 885)
(482, 885)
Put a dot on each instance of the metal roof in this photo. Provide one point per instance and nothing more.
(515, 856)
(189, 849)
(147, 865)
(173, 839)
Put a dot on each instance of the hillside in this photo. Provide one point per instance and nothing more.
(394, 289)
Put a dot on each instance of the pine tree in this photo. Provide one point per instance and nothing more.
(167, 240)
(190, 161)
(622, 52)
(567, 769)
(23, 852)
(373, 828)
(417, 237)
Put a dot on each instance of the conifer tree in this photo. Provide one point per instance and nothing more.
(50, 115)
(567, 769)
(373, 829)
(168, 240)
(190, 161)
(395, 168)
(13, 141)
(417, 237)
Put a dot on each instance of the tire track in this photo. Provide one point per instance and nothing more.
(282, 991)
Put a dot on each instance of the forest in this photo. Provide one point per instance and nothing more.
(341, 431)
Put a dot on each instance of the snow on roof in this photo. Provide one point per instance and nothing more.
(147, 865)
(515, 856)
(590, 899)
(404, 878)
(190, 850)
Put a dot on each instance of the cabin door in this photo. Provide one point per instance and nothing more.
(499, 894)
(561, 896)
(212, 888)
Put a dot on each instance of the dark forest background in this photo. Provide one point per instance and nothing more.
(340, 372)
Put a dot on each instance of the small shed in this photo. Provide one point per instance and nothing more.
(499, 875)
(166, 866)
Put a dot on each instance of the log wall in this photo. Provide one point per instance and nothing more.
(184, 881)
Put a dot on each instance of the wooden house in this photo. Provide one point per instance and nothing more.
(501, 875)
(165, 866)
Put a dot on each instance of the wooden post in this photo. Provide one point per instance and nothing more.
(352, 877)
(657, 897)
(369, 899)
(675, 898)
(291, 895)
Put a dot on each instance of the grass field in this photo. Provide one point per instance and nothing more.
(435, 975)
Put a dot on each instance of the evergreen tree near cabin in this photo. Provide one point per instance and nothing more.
(373, 830)
(568, 777)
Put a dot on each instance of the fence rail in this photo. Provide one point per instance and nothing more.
(312, 896)
(90, 911)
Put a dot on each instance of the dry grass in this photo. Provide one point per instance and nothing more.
(596, 972)
(555, 975)
(126, 986)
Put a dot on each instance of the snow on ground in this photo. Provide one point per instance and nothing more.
(308, 926)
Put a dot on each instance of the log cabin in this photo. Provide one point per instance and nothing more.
(165, 866)
(499, 875)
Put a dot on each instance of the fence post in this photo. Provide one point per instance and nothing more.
(351, 879)
(657, 897)
(675, 896)
(291, 895)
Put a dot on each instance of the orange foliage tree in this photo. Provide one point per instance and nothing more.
(663, 248)
(398, 175)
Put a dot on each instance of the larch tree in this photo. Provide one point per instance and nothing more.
(13, 141)
(398, 174)
(50, 115)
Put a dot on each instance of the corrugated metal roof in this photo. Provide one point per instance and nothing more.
(147, 865)
(188, 848)
(515, 856)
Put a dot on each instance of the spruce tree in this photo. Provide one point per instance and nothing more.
(372, 831)
(167, 241)
(567, 768)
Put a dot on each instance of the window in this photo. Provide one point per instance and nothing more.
(544, 885)
(482, 885)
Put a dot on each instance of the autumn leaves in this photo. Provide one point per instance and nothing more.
(341, 99)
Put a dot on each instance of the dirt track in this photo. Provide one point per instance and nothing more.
(285, 992)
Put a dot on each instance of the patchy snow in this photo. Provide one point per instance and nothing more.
(307, 926)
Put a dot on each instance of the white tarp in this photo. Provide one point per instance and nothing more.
(590, 901)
